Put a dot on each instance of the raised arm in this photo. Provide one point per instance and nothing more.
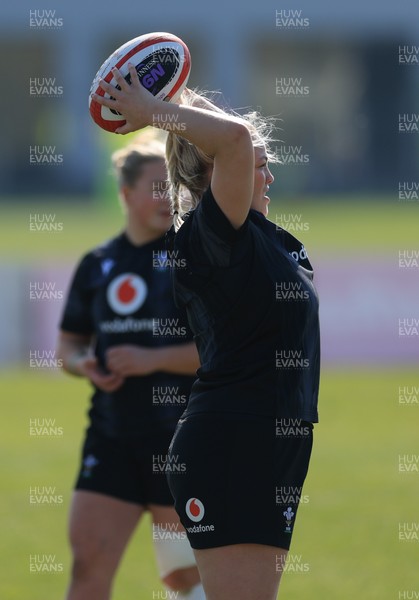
(223, 137)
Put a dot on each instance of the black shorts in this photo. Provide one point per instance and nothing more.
(133, 471)
(242, 480)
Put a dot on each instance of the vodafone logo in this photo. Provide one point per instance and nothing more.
(126, 293)
(195, 509)
(297, 255)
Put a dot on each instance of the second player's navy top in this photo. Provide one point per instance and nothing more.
(122, 294)
(253, 309)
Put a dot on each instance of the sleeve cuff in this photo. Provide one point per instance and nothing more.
(217, 220)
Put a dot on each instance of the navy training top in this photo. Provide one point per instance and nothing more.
(253, 310)
(122, 294)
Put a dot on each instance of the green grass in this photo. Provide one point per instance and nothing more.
(44, 461)
(82, 225)
(355, 225)
(347, 533)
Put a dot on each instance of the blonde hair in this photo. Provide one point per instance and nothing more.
(146, 147)
(188, 165)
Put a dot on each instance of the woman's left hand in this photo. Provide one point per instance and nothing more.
(127, 360)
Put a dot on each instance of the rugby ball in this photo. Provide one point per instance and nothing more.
(163, 64)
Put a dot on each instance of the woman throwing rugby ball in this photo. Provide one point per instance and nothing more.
(246, 435)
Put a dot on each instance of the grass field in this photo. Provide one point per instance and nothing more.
(331, 225)
(347, 533)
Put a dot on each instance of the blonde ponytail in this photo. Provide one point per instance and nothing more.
(189, 167)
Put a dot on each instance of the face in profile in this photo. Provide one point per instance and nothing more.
(262, 180)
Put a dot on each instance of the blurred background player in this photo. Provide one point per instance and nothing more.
(120, 297)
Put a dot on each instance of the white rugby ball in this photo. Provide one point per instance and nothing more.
(163, 65)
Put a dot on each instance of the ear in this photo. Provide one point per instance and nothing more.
(125, 195)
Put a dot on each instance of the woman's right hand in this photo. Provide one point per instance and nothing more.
(107, 382)
(133, 101)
